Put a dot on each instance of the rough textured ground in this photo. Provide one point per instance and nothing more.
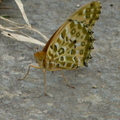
(97, 92)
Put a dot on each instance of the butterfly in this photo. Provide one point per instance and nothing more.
(70, 46)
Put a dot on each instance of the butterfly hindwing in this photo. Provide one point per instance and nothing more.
(72, 47)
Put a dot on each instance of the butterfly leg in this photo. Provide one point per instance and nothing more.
(44, 71)
(29, 71)
(67, 81)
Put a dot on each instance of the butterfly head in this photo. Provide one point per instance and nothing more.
(40, 58)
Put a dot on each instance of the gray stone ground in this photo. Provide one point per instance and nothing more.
(97, 92)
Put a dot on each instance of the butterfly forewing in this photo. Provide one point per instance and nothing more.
(88, 14)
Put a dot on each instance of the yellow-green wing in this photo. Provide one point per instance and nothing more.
(71, 44)
(88, 14)
(72, 47)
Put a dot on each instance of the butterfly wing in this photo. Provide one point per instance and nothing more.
(88, 14)
(70, 45)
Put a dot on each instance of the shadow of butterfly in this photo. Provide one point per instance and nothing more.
(70, 46)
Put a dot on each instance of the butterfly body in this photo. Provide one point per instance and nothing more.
(70, 46)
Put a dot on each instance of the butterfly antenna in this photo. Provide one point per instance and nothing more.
(21, 42)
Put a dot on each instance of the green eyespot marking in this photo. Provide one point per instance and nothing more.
(88, 10)
(73, 31)
(77, 34)
(82, 43)
(81, 52)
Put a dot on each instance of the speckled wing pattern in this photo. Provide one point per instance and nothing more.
(71, 44)
(88, 14)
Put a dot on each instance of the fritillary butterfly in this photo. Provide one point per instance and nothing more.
(70, 46)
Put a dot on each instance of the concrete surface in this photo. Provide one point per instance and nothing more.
(97, 92)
